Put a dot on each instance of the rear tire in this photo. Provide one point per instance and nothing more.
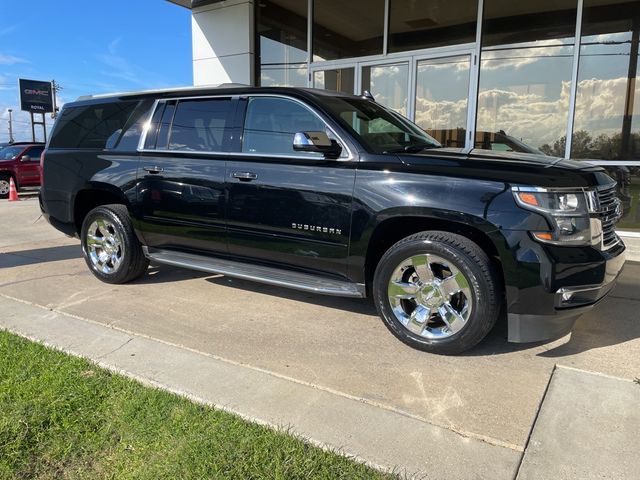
(110, 247)
(437, 292)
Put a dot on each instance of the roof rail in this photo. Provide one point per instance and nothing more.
(163, 90)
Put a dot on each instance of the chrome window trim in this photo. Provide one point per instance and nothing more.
(146, 125)
(349, 157)
(573, 87)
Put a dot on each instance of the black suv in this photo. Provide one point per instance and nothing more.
(334, 194)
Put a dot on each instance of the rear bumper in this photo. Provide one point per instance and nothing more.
(68, 229)
(561, 307)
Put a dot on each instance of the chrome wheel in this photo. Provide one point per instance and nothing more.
(105, 247)
(4, 186)
(430, 296)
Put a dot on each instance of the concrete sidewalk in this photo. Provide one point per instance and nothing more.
(587, 427)
(381, 437)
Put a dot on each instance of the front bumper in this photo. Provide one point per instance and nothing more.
(568, 283)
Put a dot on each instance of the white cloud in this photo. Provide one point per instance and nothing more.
(9, 29)
(11, 60)
(516, 58)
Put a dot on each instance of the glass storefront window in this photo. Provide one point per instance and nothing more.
(339, 80)
(281, 27)
(628, 191)
(607, 116)
(442, 90)
(418, 24)
(347, 29)
(389, 84)
(525, 73)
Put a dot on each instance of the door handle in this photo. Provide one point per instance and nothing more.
(245, 176)
(153, 170)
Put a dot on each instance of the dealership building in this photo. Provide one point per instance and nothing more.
(556, 76)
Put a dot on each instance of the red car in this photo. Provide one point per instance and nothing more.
(22, 162)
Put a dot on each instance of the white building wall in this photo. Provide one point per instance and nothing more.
(223, 47)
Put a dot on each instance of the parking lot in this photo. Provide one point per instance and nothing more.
(491, 393)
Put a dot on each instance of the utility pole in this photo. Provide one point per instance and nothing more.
(56, 87)
(10, 127)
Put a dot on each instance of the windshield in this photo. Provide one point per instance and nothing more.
(9, 153)
(378, 129)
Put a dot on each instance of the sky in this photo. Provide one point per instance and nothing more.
(89, 47)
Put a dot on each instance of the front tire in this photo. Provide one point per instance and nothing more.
(110, 247)
(437, 292)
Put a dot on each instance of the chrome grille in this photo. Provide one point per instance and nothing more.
(609, 210)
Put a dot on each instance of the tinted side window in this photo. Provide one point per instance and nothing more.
(34, 154)
(165, 125)
(131, 132)
(271, 123)
(90, 126)
(199, 125)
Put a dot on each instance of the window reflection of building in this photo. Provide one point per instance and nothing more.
(338, 80)
(418, 24)
(347, 29)
(525, 73)
(607, 117)
(281, 27)
(427, 71)
(389, 84)
(442, 90)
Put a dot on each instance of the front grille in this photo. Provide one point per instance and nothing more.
(608, 210)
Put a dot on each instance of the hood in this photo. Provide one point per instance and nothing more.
(543, 161)
(510, 167)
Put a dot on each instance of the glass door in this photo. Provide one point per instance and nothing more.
(437, 89)
(337, 79)
(442, 98)
(389, 85)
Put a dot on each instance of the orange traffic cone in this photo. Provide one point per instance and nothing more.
(13, 193)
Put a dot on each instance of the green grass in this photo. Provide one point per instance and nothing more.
(63, 417)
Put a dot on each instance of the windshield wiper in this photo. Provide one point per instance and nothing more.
(415, 148)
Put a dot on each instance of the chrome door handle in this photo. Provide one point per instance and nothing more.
(245, 176)
(153, 169)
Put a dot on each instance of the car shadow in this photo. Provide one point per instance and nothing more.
(611, 322)
(39, 255)
(166, 273)
(360, 306)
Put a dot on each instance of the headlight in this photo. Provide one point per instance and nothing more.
(567, 212)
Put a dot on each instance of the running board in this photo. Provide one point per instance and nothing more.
(258, 273)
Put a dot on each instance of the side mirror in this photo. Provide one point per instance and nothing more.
(318, 142)
(25, 158)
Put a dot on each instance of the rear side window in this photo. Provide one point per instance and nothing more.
(271, 123)
(199, 125)
(91, 126)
